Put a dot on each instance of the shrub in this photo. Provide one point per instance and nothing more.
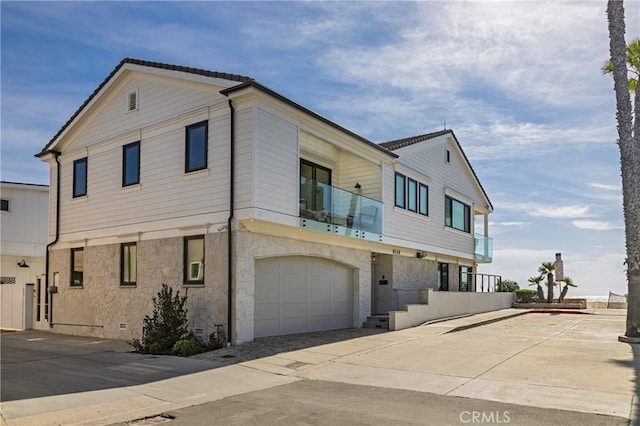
(187, 346)
(166, 326)
(508, 286)
(217, 339)
(525, 295)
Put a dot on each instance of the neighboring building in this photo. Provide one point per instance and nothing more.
(209, 181)
(23, 215)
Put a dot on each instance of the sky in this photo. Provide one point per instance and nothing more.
(518, 82)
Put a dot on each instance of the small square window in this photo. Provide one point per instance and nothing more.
(4, 205)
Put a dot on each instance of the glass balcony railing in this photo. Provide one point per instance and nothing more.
(484, 248)
(325, 204)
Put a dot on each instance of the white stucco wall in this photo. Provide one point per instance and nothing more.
(251, 246)
(443, 304)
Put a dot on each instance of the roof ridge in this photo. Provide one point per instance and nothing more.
(401, 143)
(191, 70)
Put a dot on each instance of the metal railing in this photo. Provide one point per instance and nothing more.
(486, 283)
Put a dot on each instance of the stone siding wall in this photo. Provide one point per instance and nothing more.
(102, 305)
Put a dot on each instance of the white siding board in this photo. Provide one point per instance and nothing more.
(428, 158)
(314, 149)
(276, 165)
(159, 100)
(353, 169)
(24, 226)
(165, 191)
(243, 186)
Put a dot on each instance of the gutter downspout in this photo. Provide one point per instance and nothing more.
(229, 233)
(56, 154)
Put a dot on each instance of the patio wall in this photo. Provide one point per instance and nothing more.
(443, 304)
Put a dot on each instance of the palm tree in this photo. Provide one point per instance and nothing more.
(536, 281)
(629, 144)
(546, 269)
(568, 282)
(633, 55)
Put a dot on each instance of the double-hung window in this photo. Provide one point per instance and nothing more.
(196, 147)
(128, 264)
(77, 267)
(457, 215)
(131, 164)
(194, 259)
(80, 177)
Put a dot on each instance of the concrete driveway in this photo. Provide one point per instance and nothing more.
(543, 361)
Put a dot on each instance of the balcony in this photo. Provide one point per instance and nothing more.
(483, 248)
(333, 210)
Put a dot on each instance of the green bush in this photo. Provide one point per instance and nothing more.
(525, 295)
(187, 346)
(166, 326)
(508, 286)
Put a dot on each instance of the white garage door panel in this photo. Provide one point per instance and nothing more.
(301, 294)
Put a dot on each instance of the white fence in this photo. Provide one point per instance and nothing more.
(16, 301)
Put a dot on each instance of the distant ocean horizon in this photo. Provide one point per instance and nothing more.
(591, 298)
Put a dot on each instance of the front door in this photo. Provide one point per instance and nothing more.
(41, 304)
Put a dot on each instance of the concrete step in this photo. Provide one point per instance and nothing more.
(377, 321)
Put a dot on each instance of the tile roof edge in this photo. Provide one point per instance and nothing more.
(150, 64)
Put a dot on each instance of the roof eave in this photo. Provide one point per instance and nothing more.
(265, 89)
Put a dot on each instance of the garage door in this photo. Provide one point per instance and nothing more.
(301, 294)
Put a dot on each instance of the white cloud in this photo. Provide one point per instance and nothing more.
(510, 224)
(596, 225)
(457, 46)
(549, 210)
(608, 187)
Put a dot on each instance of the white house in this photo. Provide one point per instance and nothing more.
(23, 215)
(273, 218)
